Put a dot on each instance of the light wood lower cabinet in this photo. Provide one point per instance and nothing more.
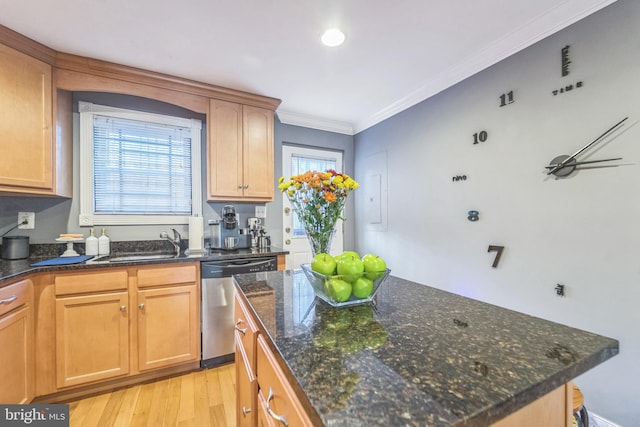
(168, 331)
(16, 343)
(275, 395)
(117, 322)
(93, 337)
(246, 389)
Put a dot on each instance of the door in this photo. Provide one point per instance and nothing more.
(295, 161)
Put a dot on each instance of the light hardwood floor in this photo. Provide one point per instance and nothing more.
(202, 398)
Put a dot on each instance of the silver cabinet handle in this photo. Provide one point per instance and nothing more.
(12, 298)
(275, 416)
(141, 306)
(245, 411)
(123, 308)
(240, 187)
(241, 330)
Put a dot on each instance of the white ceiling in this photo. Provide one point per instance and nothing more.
(396, 53)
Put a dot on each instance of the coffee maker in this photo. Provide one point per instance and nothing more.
(225, 233)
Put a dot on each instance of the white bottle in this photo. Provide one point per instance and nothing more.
(104, 243)
(91, 244)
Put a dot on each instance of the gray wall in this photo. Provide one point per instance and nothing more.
(581, 231)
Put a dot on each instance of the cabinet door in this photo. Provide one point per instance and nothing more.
(274, 388)
(92, 338)
(224, 151)
(16, 357)
(168, 326)
(257, 125)
(26, 164)
(246, 389)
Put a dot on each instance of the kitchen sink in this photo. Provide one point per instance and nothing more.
(130, 258)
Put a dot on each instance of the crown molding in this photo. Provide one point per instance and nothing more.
(308, 121)
(564, 14)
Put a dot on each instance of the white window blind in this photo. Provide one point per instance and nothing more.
(138, 168)
(141, 167)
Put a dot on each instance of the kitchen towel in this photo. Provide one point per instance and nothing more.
(196, 237)
(63, 260)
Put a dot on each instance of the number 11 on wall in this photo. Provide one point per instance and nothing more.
(507, 98)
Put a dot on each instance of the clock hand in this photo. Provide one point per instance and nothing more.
(584, 162)
(571, 157)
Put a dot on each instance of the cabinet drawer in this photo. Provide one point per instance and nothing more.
(274, 388)
(162, 276)
(13, 296)
(78, 283)
(246, 331)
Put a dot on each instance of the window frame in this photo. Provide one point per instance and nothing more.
(87, 215)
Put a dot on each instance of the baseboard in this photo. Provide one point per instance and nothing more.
(598, 421)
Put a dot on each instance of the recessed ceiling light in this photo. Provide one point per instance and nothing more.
(333, 37)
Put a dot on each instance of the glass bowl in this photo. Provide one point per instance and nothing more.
(322, 286)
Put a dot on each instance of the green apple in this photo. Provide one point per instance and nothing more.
(324, 264)
(350, 267)
(374, 266)
(348, 254)
(362, 287)
(338, 290)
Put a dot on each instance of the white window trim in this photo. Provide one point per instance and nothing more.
(89, 218)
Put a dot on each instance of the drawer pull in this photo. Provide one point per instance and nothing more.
(241, 330)
(245, 411)
(141, 306)
(123, 308)
(275, 416)
(12, 298)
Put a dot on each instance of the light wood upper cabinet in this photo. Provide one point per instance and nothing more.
(25, 123)
(35, 158)
(17, 343)
(239, 153)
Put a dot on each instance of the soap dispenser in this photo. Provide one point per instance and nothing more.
(91, 244)
(104, 243)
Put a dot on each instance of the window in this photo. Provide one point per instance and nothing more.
(137, 167)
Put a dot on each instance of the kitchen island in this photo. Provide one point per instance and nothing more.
(417, 356)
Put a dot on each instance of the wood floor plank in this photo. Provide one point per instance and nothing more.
(125, 415)
(187, 406)
(173, 402)
(201, 400)
(112, 408)
(158, 404)
(92, 419)
(227, 383)
(196, 399)
(141, 411)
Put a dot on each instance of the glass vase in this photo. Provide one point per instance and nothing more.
(320, 242)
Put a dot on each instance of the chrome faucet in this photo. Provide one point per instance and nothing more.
(176, 241)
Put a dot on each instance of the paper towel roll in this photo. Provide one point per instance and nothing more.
(196, 237)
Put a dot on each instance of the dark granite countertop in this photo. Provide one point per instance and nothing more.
(15, 269)
(417, 356)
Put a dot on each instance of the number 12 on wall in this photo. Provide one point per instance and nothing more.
(507, 98)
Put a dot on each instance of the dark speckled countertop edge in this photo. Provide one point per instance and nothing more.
(12, 270)
(535, 385)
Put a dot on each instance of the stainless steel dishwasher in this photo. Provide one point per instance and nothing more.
(218, 293)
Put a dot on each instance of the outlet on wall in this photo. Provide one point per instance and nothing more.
(27, 220)
(261, 211)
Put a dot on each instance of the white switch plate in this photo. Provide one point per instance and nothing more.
(261, 211)
(29, 218)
